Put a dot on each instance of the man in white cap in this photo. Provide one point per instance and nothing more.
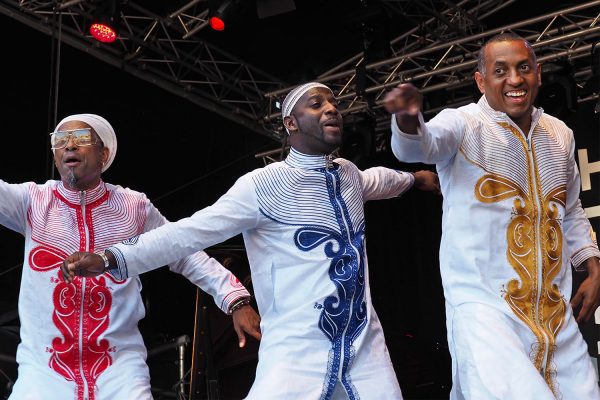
(303, 225)
(80, 340)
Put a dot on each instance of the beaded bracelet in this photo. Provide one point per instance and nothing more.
(239, 304)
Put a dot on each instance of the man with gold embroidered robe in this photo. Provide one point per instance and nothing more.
(512, 225)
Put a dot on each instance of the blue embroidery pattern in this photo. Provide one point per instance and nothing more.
(131, 241)
(344, 316)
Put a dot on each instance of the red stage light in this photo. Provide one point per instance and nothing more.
(217, 23)
(103, 33)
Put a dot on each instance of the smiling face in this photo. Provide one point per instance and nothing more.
(80, 167)
(511, 80)
(315, 124)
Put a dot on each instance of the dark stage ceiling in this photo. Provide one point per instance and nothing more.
(359, 48)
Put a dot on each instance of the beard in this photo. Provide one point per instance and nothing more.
(72, 179)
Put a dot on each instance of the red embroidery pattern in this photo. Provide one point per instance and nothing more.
(234, 281)
(81, 315)
(45, 258)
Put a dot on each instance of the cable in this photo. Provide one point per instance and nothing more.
(57, 71)
(5, 375)
(54, 81)
(10, 269)
(9, 383)
(214, 171)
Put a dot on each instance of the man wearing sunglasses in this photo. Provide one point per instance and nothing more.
(80, 340)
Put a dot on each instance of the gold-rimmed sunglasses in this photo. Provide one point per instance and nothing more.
(81, 137)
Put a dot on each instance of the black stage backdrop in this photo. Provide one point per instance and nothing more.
(184, 158)
(585, 123)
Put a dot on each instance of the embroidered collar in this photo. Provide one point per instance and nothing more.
(502, 117)
(74, 197)
(296, 159)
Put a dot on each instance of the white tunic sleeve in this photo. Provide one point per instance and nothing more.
(233, 213)
(202, 270)
(577, 228)
(384, 183)
(14, 201)
(436, 142)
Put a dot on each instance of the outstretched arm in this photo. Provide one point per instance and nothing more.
(14, 201)
(413, 140)
(384, 183)
(202, 270)
(234, 212)
(245, 319)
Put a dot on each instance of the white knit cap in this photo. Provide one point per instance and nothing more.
(102, 129)
(292, 98)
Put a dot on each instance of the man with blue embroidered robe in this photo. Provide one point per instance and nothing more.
(303, 225)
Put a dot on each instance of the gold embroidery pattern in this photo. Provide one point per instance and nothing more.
(533, 297)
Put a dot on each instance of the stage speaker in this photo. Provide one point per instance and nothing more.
(220, 369)
(558, 93)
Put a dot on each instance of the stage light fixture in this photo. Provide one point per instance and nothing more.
(103, 32)
(224, 12)
(217, 23)
(105, 20)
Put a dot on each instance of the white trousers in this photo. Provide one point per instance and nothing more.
(490, 358)
(32, 384)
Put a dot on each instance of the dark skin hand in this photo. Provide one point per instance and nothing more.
(405, 101)
(245, 319)
(427, 181)
(89, 265)
(588, 294)
(86, 265)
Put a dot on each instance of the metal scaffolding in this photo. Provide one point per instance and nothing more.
(437, 53)
(446, 65)
(162, 50)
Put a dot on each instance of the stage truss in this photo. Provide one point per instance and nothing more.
(438, 54)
